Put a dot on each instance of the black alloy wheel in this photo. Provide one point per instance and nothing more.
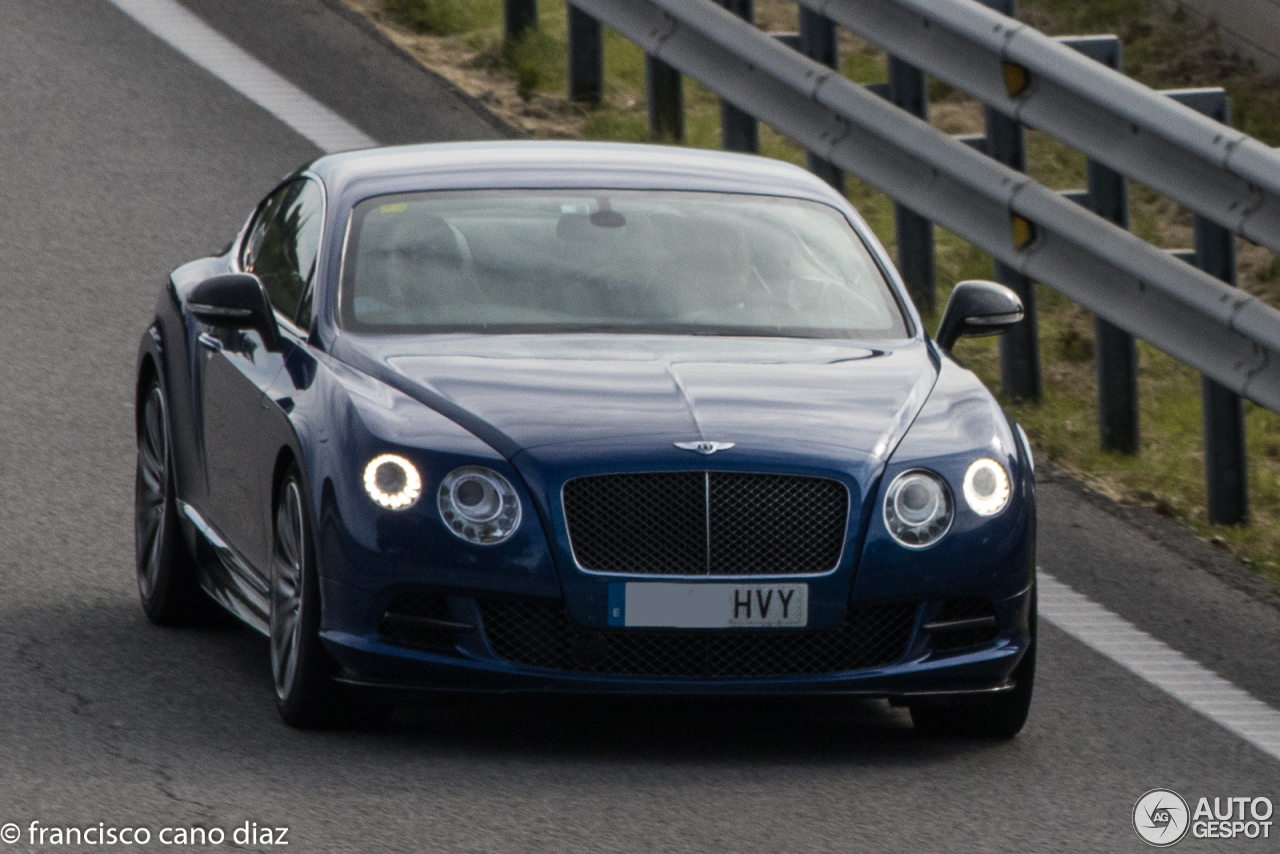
(167, 578)
(302, 671)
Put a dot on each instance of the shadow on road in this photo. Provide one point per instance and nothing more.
(104, 667)
(660, 729)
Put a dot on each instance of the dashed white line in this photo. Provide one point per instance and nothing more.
(225, 60)
(1164, 667)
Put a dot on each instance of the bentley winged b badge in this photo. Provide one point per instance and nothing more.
(704, 447)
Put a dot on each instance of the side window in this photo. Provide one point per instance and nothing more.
(261, 225)
(284, 244)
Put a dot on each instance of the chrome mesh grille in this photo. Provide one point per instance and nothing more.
(639, 523)
(538, 633)
(706, 523)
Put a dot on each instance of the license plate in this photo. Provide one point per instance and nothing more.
(708, 606)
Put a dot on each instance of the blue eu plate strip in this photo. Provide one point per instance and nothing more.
(617, 604)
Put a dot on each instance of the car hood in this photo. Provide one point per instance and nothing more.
(777, 395)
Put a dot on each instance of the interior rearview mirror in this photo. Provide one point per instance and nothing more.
(976, 309)
(235, 301)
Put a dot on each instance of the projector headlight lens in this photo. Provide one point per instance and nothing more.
(918, 508)
(392, 482)
(479, 505)
(986, 487)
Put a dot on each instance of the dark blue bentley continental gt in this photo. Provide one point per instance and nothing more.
(592, 418)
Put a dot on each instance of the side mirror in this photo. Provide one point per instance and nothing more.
(235, 301)
(977, 309)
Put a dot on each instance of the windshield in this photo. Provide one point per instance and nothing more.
(610, 260)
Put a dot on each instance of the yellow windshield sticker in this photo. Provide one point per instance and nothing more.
(390, 209)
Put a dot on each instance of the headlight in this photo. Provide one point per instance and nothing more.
(918, 508)
(986, 487)
(392, 482)
(479, 505)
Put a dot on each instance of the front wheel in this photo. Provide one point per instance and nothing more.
(303, 673)
(167, 579)
(1000, 716)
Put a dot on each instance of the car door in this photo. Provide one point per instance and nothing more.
(241, 430)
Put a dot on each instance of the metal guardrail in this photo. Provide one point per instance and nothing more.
(1219, 172)
(1225, 333)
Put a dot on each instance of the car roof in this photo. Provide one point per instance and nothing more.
(530, 164)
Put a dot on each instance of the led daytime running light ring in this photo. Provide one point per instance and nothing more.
(986, 487)
(406, 496)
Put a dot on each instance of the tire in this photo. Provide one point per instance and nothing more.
(301, 670)
(168, 582)
(1001, 716)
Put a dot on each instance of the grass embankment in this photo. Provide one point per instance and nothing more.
(525, 83)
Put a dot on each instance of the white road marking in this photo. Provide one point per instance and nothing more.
(1162, 666)
(209, 49)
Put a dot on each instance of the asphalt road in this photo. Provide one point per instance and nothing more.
(119, 160)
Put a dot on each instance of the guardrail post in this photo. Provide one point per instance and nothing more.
(586, 58)
(1020, 346)
(739, 130)
(666, 100)
(518, 16)
(909, 89)
(820, 42)
(1226, 469)
(1115, 352)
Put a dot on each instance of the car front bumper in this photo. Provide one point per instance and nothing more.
(923, 667)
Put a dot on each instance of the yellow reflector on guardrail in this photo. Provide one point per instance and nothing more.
(1024, 231)
(1016, 78)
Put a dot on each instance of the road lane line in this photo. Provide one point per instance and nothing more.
(1164, 667)
(213, 52)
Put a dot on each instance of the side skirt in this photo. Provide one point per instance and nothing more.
(226, 575)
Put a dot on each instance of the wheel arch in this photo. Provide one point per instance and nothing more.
(148, 372)
(285, 459)
(288, 457)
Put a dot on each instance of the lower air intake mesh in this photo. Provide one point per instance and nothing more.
(539, 633)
